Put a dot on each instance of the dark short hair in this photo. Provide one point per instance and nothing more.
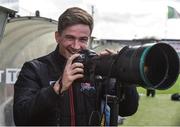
(73, 16)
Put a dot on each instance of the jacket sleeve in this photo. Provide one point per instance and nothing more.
(129, 101)
(31, 101)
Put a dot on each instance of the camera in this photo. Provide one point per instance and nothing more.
(85, 58)
(152, 66)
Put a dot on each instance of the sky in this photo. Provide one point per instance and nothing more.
(114, 19)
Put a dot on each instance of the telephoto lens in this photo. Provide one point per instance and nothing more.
(153, 66)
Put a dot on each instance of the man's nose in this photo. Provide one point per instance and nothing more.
(76, 44)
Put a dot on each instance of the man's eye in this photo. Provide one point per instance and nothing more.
(84, 40)
(70, 38)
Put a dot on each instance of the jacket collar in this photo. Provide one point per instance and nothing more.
(57, 61)
(58, 57)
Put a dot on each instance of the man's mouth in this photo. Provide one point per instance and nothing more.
(73, 51)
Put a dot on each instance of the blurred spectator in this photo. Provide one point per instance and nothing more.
(150, 92)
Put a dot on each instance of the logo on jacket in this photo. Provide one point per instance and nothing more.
(52, 82)
(87, 87)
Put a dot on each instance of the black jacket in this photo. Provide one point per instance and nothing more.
(36, 103)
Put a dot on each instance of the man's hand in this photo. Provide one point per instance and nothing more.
(72, 71)
(107, 52)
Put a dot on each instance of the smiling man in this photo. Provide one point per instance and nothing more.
(46, 92)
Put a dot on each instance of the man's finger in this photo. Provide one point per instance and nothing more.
(77, 71)
(77, 65)
(77, 76)
(107, 52)
(72, 58)
(110, 51)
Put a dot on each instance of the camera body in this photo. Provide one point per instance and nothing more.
(85, 58)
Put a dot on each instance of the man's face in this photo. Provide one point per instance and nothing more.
(73, 39)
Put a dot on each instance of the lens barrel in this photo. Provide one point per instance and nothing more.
(154, 66)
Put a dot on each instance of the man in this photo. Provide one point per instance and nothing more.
(46, 92)
(150, 92)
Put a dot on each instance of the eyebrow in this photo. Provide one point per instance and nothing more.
(71, 36)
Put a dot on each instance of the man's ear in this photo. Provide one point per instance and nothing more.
(57, 37)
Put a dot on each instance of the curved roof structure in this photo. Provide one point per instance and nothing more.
(26, 38)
